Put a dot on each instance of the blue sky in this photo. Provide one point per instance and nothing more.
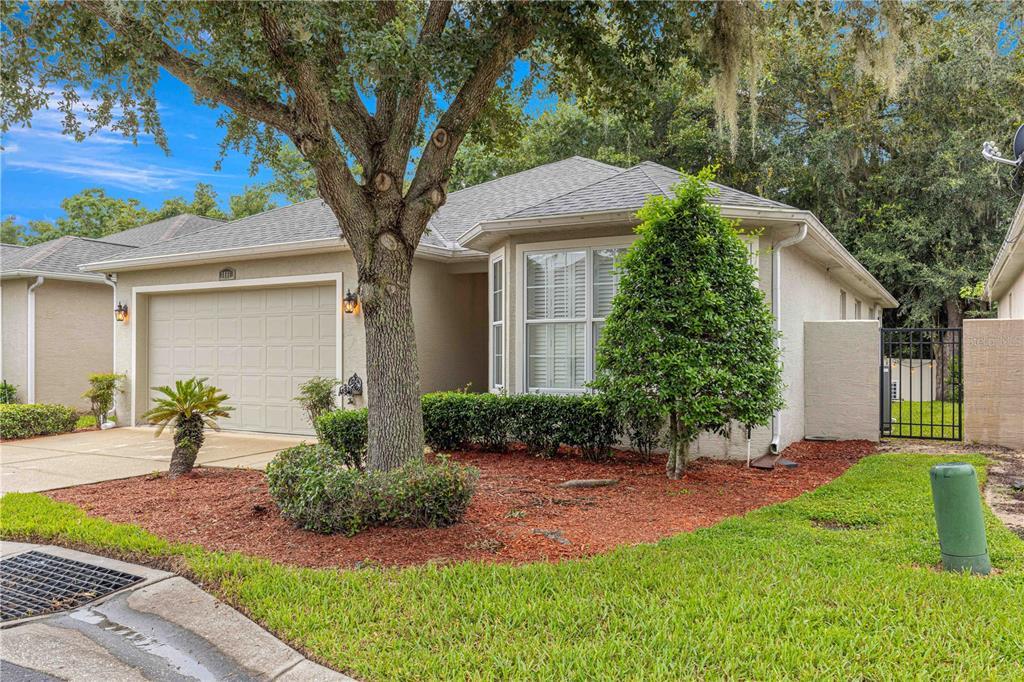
(39, 166)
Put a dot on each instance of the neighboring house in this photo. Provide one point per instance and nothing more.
(511, 285)
(57, 320)
(1005, 284)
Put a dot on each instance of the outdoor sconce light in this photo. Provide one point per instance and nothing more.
(350, 304)
(121, 312)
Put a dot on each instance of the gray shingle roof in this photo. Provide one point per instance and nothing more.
(161, 230)
(313, 219)
(572, 185)
(62, 256)
(628, 190)
(10, 255)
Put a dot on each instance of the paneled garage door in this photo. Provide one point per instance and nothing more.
(257, 345)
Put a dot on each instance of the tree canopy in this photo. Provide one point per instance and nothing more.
(690, 336)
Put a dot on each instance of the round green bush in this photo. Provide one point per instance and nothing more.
(318, 490)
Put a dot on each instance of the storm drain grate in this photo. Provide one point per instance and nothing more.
(34, 583)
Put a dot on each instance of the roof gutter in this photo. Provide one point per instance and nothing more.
(243, 252)
(68, 277)
(30, 334)
(1010, 243)
(777, 312)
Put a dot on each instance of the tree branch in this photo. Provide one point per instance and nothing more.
(189, 71)
(402, 115)
(427, 191)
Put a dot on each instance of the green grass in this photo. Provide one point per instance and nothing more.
(86, 421)
(768, 596)
(910, 415)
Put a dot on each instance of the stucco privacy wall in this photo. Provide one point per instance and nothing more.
(994, 382)
(449, 311)
(66, 354)
(841, 380)
(13, 318)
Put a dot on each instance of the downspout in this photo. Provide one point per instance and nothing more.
(777, 311)
(30, 334)
(112, 281)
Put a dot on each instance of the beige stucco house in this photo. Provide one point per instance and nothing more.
(511, 285)
(56, 320)
(1005, 284)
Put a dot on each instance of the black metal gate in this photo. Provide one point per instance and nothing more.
(922, 383)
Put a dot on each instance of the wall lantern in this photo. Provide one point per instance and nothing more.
(350, 304)
(121, 312)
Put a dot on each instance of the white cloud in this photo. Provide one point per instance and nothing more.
(129, 176)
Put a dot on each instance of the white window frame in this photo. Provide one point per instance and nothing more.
(496, 257)
(588, 246)
(842, 304)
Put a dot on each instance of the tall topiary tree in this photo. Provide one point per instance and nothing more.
(690, 336)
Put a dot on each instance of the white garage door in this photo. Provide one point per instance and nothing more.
(257, 345)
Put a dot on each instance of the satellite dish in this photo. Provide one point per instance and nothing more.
(1018, 144)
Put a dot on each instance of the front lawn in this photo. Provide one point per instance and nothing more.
(926, 419)
(839, 583)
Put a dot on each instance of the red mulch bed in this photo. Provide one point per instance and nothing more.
(231, 509)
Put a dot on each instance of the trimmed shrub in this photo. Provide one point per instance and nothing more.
(317, 398)
(102, 388)
(454, 420)
(25, 421)
(449, 419)
(8, 393)
(315, 489)
(345, 432)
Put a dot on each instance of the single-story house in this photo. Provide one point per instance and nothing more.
(1005, 284)
(58, 320)
(511, 284)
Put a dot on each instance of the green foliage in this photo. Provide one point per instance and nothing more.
(690, 335)
(345, 432)
(186, 399)
(90, 213)
(315, 488)
(837, 601)
(192, 405)
(102, 388)
(86, 421)
(8, 393)
(26, 421)
(11, 232)
(317, 397)
(456, 420)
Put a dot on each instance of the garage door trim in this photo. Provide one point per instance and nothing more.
(262, 282)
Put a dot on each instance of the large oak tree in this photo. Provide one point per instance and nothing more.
(390, 88)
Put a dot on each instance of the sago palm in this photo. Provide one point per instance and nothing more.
(192, 405)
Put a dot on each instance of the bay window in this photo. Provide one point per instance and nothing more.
(568, 296)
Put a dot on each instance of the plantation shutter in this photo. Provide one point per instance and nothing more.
(556, 310)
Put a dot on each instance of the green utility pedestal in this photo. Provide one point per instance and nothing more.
(959, 518)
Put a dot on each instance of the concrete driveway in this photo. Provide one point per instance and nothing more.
(70, 459)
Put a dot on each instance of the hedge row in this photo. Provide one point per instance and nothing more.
(25, 421)
(456, 420)
(315, 488)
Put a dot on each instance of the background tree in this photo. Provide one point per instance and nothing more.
(690, 336)
(11, 232)
(309, 72)
(90, 213)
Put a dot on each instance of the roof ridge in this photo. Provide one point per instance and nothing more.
(596, 162)
(99, 240)
(647, 175)
(51, 247)
(565, 194)
(176, 222)
(527, 170)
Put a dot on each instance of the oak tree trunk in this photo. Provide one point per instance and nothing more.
(947, 359)
(678, 448)
(392, 376)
